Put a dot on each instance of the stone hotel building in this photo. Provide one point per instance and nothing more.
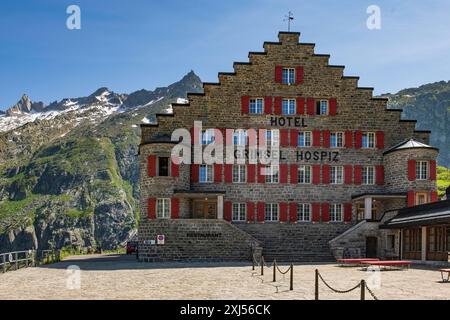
(347, 165)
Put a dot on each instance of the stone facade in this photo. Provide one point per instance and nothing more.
(221, 106)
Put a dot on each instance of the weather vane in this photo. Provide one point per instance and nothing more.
(289, 18)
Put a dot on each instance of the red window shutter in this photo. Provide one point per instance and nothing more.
(326, 138)
(347, 212)
(278, 74)
(411, 170)
(250, 212)
(315, 212)
(358, 174)
(283, 211)
(278, 105)
(293, 212)
(310, 106)
(194, 172)
(251, 173)
(262, 137)
(174, 167)
(348, 139)
(217, 173)
(284, 137)
(333, 106)
(316, 174)
(433, 196)
(151, 165)
(410, 198)
(218, 136)
(299, 75)
(380, 139)
(294, 137)
(283, 173)
(316, 138)
(325, 212)
(151, 209)
(260, 173)
(379, 175)
(245, 104)
(325, 174)
(260, 211)
(175, 208)
(300, 106)
(227, 210)
(294, 173)
(432, 170)
(348, 174)
(358, 139)
(228, 173)
(268, 105)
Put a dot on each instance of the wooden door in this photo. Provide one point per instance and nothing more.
(371, 247)
(205, 209)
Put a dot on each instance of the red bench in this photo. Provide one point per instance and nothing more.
(390, 263)
(442, 274)
(356, 262)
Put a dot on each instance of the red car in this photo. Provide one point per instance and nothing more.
(132, 247)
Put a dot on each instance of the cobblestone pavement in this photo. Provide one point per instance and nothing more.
(121, 277)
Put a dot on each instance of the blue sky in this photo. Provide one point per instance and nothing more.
(129, 45)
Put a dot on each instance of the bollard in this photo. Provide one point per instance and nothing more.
(262, 265)
(274, 271)
(292, 277)
(316, 293)
(253, 263)
(363, 289)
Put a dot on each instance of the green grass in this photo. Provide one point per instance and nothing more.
(443, 180)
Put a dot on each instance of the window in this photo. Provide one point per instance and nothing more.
(304, 212)
(273, 137)
(336, 212)
(206, 173)
(421, 170)
(421, 198)
(288, 76)
(240, 137)
(239, 174)
(271, 212)
(390, 244)
(162, 208)
(207, 136)
(239, 212)
(337, 173)
(368, 140)
(322, 107)
(272, 174)
(163, 166)
(304, 139)
(304, 174)
(368, 175)
(256, 106)
(288, 106)
(336, 139)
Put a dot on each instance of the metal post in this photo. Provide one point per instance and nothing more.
(363, 289)
(4, 263)
(17, 262)
(253, 262)
(262, 265)
(274, 271)
(292, 277)
(316, 293)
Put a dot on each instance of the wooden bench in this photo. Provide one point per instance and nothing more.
(356, 262)
(443, 271)
(396, 264)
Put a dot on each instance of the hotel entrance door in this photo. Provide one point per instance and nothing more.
(205, 209)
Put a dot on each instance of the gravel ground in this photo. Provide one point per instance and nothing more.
(121, 277)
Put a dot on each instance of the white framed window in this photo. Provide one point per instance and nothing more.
(163, 208)
(368, 140)
(421, 170)
(337, 140)
(256, 106)
(322, 107)
(368, 175)
(304, 174)
(421, 198)
(206, 173)
(239, 174)
(271, 212)
(272, 174)
(288, 106)
(240, 137)
(336, 212)
(273, 137)
(239, 212)
(288, 76)
(336, 175)
(207, 136)
(304, 212)
(305, 139)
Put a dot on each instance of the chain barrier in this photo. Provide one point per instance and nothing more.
(279, 270)
(371, 293)
(336, 290)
